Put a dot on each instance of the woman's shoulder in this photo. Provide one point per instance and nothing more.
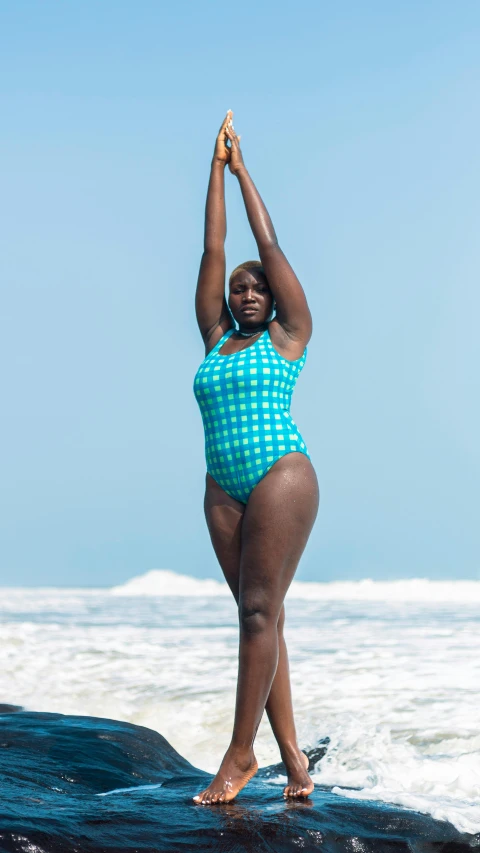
(219, 331)
(288, 347)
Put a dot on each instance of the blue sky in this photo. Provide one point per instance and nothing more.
(360, 125)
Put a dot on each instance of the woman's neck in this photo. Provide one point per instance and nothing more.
(251, 332)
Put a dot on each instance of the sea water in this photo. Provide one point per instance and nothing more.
(388, 672)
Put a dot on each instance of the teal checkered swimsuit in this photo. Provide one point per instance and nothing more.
(244, 400)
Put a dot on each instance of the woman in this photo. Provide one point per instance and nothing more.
(261, 495)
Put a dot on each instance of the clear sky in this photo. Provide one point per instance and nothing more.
(360, 125)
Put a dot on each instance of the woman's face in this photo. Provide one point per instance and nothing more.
(250, 299)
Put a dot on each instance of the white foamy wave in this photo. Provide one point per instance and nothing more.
(410, 589)
(164, 582)
(379, 766)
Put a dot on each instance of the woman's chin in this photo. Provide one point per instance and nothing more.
(251, 321)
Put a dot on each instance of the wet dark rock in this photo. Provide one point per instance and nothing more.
(314, 755)
(60, 777)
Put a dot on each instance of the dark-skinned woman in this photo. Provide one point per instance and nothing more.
(261, 496)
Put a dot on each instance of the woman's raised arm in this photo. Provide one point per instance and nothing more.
(210, 303)
(292, 311)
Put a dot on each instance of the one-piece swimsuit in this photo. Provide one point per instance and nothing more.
(244, 400)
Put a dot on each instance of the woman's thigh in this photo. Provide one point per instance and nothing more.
(277, 522)
(224, 516)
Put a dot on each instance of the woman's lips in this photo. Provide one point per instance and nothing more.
(249, 310)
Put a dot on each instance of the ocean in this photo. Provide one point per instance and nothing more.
(386, 675)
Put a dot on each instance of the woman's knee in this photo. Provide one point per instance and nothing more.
(256, 614)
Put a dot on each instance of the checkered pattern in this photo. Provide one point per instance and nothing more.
(244, 400)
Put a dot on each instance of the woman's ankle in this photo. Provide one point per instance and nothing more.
(243, 753)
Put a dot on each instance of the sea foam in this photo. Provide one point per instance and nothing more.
(165, 582)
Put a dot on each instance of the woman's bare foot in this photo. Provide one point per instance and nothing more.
(234, 773)
(299, 782)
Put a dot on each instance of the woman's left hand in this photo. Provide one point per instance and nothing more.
(236, 159)
(222, 151)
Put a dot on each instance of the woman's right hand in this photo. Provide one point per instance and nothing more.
(222, 151)
(235, 163)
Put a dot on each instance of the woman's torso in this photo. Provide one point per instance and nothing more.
(244, 398)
